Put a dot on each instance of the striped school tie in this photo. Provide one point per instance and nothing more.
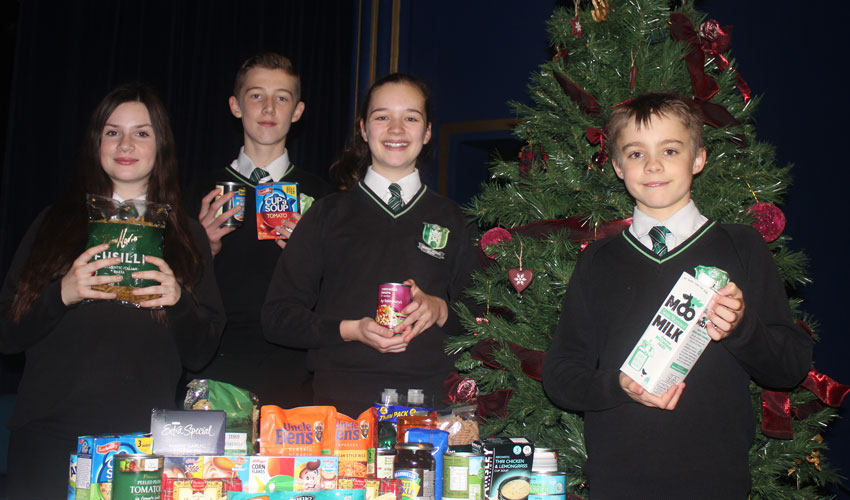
(395, 203)
(258, 174)
(658, 235)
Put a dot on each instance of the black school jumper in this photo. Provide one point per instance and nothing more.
(96, 367)
(700, 449)
(343, 248)
(277, 375)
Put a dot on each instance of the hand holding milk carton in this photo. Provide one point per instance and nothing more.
(676, 337)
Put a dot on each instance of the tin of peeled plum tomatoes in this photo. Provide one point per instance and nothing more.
(237, 200)
(137, 477)
(392, 299)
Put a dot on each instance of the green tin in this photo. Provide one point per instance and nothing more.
(137, 477)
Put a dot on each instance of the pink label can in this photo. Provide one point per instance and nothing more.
(392, 298)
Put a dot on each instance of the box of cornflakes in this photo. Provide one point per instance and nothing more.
(267, 474)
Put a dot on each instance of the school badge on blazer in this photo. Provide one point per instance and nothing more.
(434, 238)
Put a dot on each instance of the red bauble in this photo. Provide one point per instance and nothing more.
(494, 237)
(769, 220)
(520, 278)
(599, 158)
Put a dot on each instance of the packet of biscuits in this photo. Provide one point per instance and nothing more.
(133, 229)
(460, 423)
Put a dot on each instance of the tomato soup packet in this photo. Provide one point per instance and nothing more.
(353, 440)
(297, 432)
(133, 229)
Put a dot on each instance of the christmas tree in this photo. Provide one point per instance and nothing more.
(541, 210)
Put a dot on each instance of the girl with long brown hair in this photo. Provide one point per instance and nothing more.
(94, 365)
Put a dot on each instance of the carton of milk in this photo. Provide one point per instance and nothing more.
(676, 337)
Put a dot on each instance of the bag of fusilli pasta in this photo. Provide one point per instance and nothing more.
(133, 229)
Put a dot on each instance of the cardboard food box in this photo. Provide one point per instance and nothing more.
(183, 467)
(507, 467)
(674, 339)
(268, 474)
(276, 202)
(188, 432)
(338, 494)
(94, 461)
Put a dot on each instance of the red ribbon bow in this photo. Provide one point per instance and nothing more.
(776, 405)
(682, 30)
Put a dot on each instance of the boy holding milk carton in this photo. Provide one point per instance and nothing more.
(638, 318)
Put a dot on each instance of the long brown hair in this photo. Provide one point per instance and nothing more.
(352, 164)
(50, 261)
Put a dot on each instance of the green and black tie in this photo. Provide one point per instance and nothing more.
(395, 203)
(658, 235)
(258, 174)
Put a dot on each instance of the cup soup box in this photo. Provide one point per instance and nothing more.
(506, 466)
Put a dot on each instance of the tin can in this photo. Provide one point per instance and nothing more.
(562, 496)
(137, 477)
(548, 483)
(544, 460)
(384, 463)
(414, 467)
(462, 475)
(476, 476)
(237, 200)
(392, 298)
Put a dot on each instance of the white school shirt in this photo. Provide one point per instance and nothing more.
(275, 170)
(682, 225)
(380, 185)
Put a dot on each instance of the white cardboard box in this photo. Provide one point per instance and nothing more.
(674, 339)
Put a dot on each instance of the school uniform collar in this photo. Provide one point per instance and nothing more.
(682, 225)
(119, 199)
(380, 185)
(277, 169)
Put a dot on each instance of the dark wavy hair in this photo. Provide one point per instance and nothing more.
(353, 162)
(49, 261)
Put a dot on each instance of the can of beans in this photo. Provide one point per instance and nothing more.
(136, 477)
(237, 200)
(392, 299)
